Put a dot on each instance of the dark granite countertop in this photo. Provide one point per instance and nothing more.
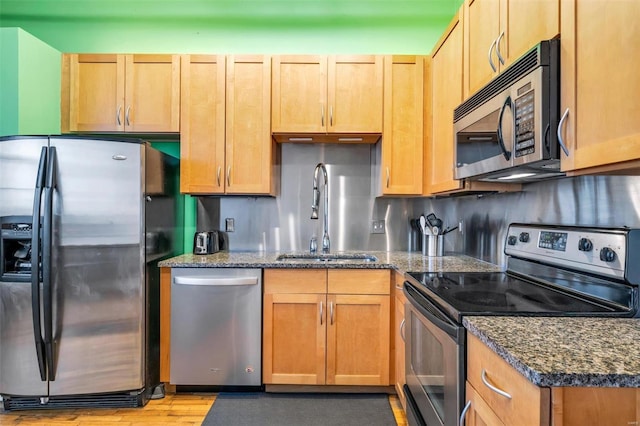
(399, 260)
(565, 351)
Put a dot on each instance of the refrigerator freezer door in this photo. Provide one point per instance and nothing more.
(19, 167)
(98, 278)
(19, 373)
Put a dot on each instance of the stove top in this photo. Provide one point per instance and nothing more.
(552, 270)
(471, 293)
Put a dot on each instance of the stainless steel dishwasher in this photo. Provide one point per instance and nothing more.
(216, 323)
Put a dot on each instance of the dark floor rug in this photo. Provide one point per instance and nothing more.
(305, 409)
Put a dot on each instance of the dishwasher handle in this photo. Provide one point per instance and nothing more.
(209, 281)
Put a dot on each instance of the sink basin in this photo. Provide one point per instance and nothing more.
(330, 257)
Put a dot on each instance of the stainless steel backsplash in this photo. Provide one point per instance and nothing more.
(283, 223)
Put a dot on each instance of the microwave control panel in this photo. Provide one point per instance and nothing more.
(525, 122)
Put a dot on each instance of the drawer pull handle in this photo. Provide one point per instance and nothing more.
(321, 313)
(402, 332)
(493, 388)
(464, 413)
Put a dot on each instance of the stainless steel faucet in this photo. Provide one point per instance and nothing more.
(326, 244)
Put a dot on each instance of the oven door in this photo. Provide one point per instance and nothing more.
(434, 357)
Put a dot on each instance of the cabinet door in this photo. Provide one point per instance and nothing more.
(202, 135)
(600, 86)
(482, 28)
(518, 25)
(299, 88)
(446, 68)
(527, 404)
(294, 332)
(479, 412)
(358, 340)
(249, 146)
(402, 138)
(355, 94)
(96, 90)
(399, 337)
(152, 93)
(525, 24)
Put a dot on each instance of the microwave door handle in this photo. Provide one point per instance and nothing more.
(507, 103)
(559, 133)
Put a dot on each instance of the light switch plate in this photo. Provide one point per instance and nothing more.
(377, 226)
(229, 224)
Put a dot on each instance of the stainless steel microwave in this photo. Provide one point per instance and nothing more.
(507, 131)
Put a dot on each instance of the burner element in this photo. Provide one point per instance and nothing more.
(482, 298)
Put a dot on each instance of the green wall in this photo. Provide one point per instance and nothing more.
(233, 26)
(29, 85)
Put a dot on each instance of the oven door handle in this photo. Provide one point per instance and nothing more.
(430, 311)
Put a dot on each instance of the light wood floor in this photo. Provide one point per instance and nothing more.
(183, 409)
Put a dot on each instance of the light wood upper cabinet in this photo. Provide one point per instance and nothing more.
(202, 128)
(446, 92)
(320, 328)
(481, 29)
(402, 133)
(123, 93)
(226, 144)
(600, 86)
(498, 32)
(326, 95)
(299, 88)
(250, 153)
(355, 94)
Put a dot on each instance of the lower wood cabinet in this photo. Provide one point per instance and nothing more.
(326, 327)
(398, 338)
(528, 404)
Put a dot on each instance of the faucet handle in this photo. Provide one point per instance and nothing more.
(326, 244)
(313, 245)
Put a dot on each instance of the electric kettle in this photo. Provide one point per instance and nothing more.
(206, 242)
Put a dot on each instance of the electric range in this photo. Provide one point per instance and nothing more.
(551, 271)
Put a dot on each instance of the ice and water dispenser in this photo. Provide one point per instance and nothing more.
(15, 248)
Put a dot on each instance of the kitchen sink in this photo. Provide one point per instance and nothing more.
(329, 257)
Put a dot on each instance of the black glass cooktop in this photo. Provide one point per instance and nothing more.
(497, 293)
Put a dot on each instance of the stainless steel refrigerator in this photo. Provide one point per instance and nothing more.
(83, 223)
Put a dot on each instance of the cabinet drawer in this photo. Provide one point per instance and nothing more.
(528, 405)
(295, 281)
(359, 281)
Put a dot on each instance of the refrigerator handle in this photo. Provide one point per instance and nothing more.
(50, 186)
(35, 263)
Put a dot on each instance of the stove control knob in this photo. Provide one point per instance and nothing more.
(607, 254)
(585, 244)
(512, 240)
(524, 237)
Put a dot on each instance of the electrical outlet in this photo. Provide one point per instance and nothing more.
(377, 226)
(229, 224)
